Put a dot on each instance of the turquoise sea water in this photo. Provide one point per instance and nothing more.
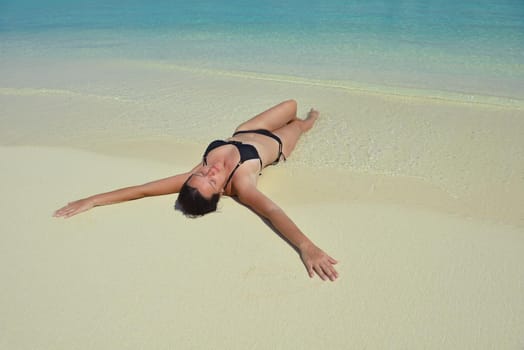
(465, 47)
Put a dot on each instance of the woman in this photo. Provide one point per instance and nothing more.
(231, 167)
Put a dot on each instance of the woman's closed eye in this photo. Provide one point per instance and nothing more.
(213, 185)
(212, 182)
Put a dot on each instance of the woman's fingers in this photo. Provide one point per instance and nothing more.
(310, 271)
(320, 272)
(319, 263)
(324, 271)
(64, 210)
(332, 272)
(329, 271)
(59, 212)
(70, 213)
(72, 208)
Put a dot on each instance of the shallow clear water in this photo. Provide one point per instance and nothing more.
(470, 47)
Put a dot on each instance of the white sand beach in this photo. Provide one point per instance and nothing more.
(419, 198)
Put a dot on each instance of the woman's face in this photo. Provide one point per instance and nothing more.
(208, 179)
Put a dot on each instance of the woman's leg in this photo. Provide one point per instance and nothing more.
(290, 133)
(272, 119)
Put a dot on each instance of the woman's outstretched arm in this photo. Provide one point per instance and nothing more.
(315, 260)
(156, 188)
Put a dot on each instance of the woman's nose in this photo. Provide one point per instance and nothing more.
(208, 170)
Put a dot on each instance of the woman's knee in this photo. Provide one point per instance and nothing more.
(291, 104)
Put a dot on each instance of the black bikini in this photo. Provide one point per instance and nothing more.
(247, 151)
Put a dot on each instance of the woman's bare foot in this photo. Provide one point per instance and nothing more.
(310, 120)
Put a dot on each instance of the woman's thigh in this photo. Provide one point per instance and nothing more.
(273, 118)
(289, 135)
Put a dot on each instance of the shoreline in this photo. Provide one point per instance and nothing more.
(401, 91)
(386, 90)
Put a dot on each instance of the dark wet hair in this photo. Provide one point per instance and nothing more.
(193, 204)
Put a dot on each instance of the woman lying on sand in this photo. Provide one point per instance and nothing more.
(231, 167)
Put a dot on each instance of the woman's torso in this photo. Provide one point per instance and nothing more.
(267, 148)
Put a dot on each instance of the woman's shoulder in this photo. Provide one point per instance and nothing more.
(244, 181)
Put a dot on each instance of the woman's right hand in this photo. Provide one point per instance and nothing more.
(74, 208)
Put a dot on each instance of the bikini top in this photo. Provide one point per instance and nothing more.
(247, 152)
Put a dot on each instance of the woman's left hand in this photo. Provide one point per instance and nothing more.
(318, 262)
